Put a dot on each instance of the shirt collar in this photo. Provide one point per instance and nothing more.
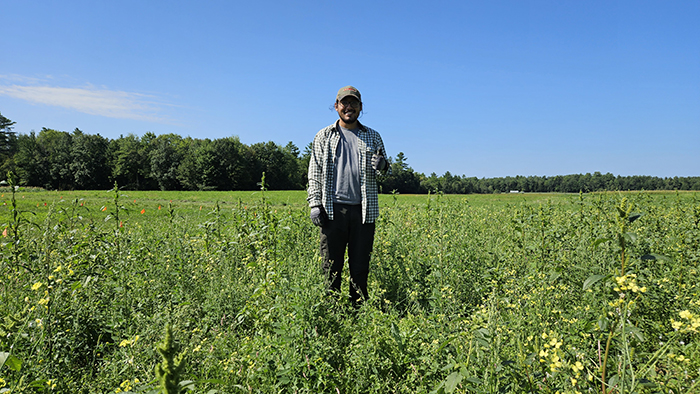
(360, 126)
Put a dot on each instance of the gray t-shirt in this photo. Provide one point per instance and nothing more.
(346, 179)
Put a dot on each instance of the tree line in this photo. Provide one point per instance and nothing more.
(59, 160)
(405, 180)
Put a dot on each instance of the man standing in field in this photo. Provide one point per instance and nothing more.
(345, 160)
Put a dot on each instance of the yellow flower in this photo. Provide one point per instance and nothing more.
(127, 342)
(695, 324)
(36, 286)
(676, 324)
(686, 314)
(125, 385)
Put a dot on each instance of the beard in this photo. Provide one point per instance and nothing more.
(349, 116)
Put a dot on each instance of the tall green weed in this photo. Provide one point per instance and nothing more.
(580, 293)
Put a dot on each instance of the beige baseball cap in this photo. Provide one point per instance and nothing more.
(348, 91)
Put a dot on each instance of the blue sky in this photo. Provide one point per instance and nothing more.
(485, 89)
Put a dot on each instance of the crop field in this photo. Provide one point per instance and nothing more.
(221, 292)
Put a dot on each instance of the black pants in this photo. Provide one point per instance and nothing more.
(347, 231)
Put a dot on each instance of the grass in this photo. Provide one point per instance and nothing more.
(31, 199)
(539, 293)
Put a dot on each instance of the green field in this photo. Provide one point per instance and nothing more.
(296, 198)
(504, 293)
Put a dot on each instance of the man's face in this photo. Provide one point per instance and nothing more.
(348, 109)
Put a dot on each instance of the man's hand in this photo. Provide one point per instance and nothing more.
(318, 216)
(378, 161)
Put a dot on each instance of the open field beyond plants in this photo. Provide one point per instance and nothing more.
(221, 292)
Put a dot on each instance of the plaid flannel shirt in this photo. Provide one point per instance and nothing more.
(322, 167)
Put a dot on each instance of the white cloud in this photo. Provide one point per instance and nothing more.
(101, 102)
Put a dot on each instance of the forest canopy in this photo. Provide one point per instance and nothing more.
(59, 160)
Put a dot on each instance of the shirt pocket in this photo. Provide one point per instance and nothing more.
(371, 148)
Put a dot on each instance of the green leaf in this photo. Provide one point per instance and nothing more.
(631, 237)
(613, 380)
(11, 361)
(634, 216)
(646, 383)
(636, 332)
(483, 342)
(439, 389)
(452, 381)
(397, 336)
(39, 383)
(484, 332)
(186, 385)
(445, 343)
(653, 256)
(554, 276)
(593, 279)
(396, 333)
(599, 241)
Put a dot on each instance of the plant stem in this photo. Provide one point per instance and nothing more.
(605, 357)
